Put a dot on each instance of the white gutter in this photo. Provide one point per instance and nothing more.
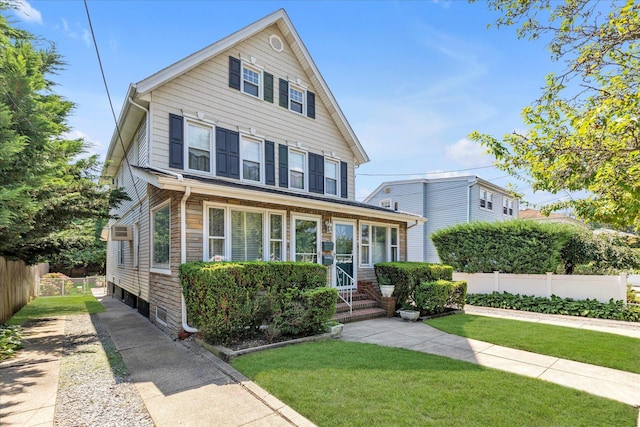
(183, 254)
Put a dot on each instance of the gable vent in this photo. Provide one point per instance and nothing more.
(276, 43)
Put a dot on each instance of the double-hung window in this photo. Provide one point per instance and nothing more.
(121, 253)
(244, 235)
(507, 206)
(251, 159)
(251, 81)
(486, 199)
(297, 169)
(296, 99)
(378, 243)
(199, 139)
(161, 237)
(331, 177)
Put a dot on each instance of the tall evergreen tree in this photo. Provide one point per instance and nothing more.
(46, 185)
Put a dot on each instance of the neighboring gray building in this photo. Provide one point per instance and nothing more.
(445, 202)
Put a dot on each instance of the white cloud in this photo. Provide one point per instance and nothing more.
(27, 12)
(86, 37)
(468, 153)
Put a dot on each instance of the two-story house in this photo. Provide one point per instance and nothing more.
(239, 152)
(446, 202)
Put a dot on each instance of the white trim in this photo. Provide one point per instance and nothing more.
(382, 201)
(298, 88)
(161, 269)
(292, 234)
(256, 69)
(372, 224)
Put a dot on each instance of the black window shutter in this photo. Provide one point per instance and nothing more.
(284, 93)
(316, 173)
(344, 179)
(227, 153)
(269, 163)
(283, 165)
(233, 142)
(268, 87)
(311, 105)
(222, 164)
(176, 142)
(234, 73)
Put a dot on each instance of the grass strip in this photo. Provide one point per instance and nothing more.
(336, 383)
(42, 307)
(581, 345)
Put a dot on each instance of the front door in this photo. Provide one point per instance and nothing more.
(344, 272)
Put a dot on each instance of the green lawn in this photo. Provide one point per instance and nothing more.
(56, 306)
(336, 383)
(595, 348)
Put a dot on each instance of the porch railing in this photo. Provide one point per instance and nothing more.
(344, 284)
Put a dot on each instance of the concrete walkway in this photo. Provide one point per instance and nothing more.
(394, 332)
(183, 384)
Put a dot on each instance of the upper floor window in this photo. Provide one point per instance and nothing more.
(386, 203)
(507, 206)
(251, 159)
(199, 147)
(331, 177)
(297, 169)
(296, 99)
(250, 81)
(486, 199)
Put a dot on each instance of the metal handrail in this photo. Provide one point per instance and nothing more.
(344, 283)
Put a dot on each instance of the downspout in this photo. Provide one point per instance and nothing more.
(471, 184)
(183, 254)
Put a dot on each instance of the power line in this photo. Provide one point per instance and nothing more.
(423, 173)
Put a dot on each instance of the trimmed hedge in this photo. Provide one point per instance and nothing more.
(229, 302)
(435, 297)
(405, 276)
(615, 310)
(518, 246)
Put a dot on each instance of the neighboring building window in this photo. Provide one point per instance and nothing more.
(331, 177)
(486, 199)
(250, 81)
(160, 237)
(238, 235)
(199, 147)
(297, 169)
(378, 244)
(121, 253)
(386, 203)
(136, 245)
(507, 206)
(251, 159)
(296, 99)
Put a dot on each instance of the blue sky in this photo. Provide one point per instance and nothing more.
(413, 78)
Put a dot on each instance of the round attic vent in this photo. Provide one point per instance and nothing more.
(276, 43)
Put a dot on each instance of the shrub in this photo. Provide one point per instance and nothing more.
(518, 246)
(405, 276)
(10, 341)
(229, 302)
(615, 310)
(435, 297)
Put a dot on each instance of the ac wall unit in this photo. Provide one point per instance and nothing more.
(121, 232)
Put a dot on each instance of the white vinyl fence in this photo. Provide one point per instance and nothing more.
(601, 288)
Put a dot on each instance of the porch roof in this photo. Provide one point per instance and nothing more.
(220, 187)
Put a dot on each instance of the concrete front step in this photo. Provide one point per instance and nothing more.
(357, 305)
(358, 315)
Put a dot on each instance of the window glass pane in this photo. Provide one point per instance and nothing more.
(306, 241)
(276, 226)
(365, 255)
(296, 161)
(331, 170)
(251, 160)
(296, 180)
(246, 236)
(330, 186)
(199, 142)
(216, 250)
(296, 107)
(216, 222)
(364, 229)
(295, 95)
(394, 237)
(276, 250)
(379, 243)
(161, 237)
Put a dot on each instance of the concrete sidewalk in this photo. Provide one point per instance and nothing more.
(394, 332)
(183, 384)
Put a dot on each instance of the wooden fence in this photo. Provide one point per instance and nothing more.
(18, 285)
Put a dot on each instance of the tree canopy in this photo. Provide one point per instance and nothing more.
(48, 184)
(583, 132)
